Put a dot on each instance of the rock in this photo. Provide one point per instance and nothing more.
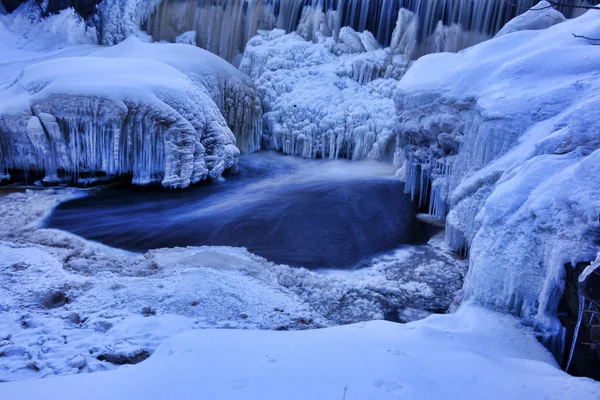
(54, 299)
(586, 353)
(74, 318)
(147, 311)
(77, 362)
(11, 5)
(122, 359)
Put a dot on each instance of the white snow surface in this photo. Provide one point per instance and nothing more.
(325, 99)
(541, 16)
(160, 112)
(65, 301)
(508, 131)
(473, 354)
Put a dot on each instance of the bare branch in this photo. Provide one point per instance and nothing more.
(588, 38)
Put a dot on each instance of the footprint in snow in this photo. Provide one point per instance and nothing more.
(239, 383)
(398, 353)
(390, 387)
(271, 359)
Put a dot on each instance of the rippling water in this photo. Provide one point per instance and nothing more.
(292, 211)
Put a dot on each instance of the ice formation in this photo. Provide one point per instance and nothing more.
(225, 26)
(331, 99)
(177, 123)
(504, 137)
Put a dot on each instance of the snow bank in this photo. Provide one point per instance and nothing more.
(330, 99)
(68, 305)
(177, 122)
(541, 16)
(474, 354)
(508, 134)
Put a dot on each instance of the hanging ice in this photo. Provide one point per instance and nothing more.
(330, 99)
(225, 26)
(514, 120)
(161, 114)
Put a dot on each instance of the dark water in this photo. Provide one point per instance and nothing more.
(290, 211)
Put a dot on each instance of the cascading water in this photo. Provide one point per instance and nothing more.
(225, 26)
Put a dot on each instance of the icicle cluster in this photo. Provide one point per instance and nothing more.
(225, 26)
(513, 170)
(331, 99)
(161, 125)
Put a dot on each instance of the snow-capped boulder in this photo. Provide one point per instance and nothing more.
(172, 113)
(232, 91)
(155, 125)
(326, 99)
(522, 186)
(540, 16)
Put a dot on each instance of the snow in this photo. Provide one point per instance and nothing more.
(472, 354)
(63, 298)
(540, 16)
(171, 124)
(520, 183)
(330, 99)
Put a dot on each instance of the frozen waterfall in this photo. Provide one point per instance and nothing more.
(225, 26)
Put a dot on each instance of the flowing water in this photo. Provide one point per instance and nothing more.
(308, 213)
(225, 26)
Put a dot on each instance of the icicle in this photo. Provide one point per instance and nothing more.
(577, 327)
(424, 26)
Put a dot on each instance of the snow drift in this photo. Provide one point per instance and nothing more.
(474, 354)
(505, 135)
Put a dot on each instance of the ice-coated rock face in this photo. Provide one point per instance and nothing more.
(172, 113)
(156, 126)
(170, 123)
(232, 91)
(508, 134)
(328, 99)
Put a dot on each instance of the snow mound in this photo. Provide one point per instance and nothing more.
(540, 16)
(156, 126)
(470, 355)
(507, 133)
(330, 99)
(176, 123)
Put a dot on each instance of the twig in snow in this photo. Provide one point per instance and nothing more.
(587, 38)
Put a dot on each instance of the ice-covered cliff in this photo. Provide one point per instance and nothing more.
(172, 113)
(505, 136)
(331, 99)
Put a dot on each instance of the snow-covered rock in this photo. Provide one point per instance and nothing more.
(329, 99)
(171, 113)
(508, 133)
(541, 16)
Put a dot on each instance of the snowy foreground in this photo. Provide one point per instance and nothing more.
(68, 305)
(473, 354)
